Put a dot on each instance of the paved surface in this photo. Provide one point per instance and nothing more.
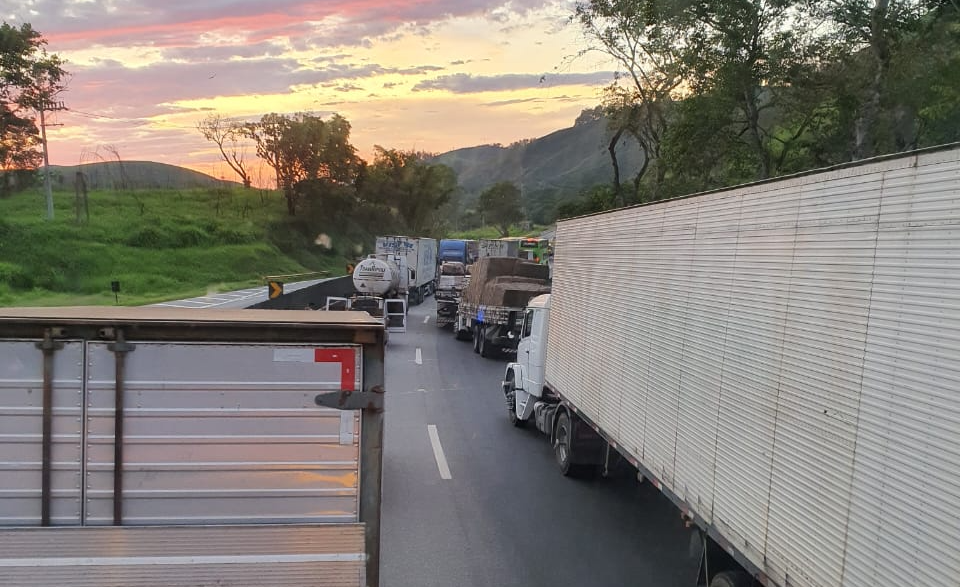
(505, 517)
(241, 298)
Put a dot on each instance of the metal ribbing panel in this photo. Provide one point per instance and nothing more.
(671, 290)
(239, 556)
(904, 524)
(752, 354)
(704, 339)
(21, 426)
(221, 433)
(820, 377)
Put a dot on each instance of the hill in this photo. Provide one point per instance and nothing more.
(159, 244)
(133, 175)
(549, 169)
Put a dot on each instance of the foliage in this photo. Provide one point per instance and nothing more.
(188, 242)
(500, 205)
(304, 146)
(227, 136)
(29, 78)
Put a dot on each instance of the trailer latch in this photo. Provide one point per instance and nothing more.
(352, 400)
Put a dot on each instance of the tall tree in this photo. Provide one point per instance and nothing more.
(227, 135)
(500, 204)
(304, 146)
(29, 78)
(412, 187)
(647, 39)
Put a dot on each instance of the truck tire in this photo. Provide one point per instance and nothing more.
(563, 451)
(511, 396)
(484, 349)
(732, 579)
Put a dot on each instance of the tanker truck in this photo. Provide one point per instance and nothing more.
(379, 284)
(781, 360)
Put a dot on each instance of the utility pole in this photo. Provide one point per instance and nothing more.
(44, 105)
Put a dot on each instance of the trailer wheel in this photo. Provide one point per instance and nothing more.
(732, 579)
(484, 345)
(511, 394)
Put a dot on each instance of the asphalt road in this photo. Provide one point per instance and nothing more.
(241, 298)
(505, 516)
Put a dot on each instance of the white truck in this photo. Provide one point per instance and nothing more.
(417, 260)
(164, 446)
(780, 359)
(499, 247)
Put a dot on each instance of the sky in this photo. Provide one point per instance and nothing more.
(425, 75)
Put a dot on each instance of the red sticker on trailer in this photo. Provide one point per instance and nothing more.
(348, 364)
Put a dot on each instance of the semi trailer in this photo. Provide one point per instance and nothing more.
(416, 259)
(167, 446)
(780, 359)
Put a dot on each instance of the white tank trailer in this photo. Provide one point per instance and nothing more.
(377, 277)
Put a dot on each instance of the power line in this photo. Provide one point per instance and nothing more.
(129, 120)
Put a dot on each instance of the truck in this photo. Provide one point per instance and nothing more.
(459, 250)
(493, 301)
(450, 285)
(169, 446)
(417, 260)
(780, 359)
(499, 247)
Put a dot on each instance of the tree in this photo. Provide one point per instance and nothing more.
(29, 79)
(226, 136)
(413, 188)
(501, 205)
(304, 146)
(648, 40)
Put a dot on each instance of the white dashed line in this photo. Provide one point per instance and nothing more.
(438, 452)
(426, 318)
(419, 359)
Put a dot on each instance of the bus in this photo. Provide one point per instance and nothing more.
(537, 250)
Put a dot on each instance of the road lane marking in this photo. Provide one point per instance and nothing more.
(419, 359)
(426, 318)
(438, 452)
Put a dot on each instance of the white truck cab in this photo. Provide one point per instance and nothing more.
(524, 378)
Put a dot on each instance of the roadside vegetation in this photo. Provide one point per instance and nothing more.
(159, 244)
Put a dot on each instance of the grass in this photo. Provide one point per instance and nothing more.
(159, 244)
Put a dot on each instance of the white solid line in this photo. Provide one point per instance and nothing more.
(426, 318)
(438, 452)
(419, 359)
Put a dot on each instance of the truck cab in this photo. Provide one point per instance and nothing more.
(524, 377)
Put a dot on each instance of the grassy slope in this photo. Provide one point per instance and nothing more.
(491, 232)
(159, 244)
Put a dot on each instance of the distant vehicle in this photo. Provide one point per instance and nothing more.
(492, 304)
(417, 260)
(499, 247)
(781, 360)
(453, 278)
(537, 250)
(458, 250)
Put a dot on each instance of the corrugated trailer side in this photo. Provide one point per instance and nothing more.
(783, 359)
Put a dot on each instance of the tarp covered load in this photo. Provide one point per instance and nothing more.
(500, 281)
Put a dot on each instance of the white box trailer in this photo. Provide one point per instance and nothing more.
(162, 446)
(781, 359)
(498, 247)
(420, 258)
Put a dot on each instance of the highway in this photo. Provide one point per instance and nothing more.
(241, 298)
(470, 500)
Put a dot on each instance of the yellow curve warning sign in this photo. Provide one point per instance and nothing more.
(274, 289)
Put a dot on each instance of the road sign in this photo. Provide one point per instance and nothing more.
(274, 289)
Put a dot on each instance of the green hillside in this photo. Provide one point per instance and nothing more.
(550, 169)
(133, 175)
(160, 244)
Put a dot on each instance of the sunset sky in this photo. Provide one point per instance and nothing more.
(430, 75)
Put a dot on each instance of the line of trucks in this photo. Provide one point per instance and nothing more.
(780, 359)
